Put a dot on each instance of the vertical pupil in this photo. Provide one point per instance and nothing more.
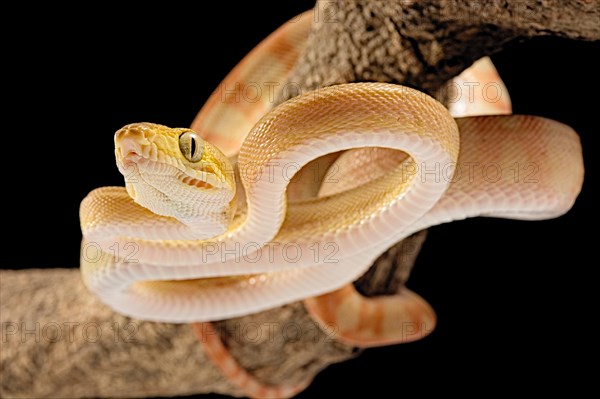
(192, 147)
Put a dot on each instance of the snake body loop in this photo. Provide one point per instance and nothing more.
(357, 223)
(256, 207)
(205, 234)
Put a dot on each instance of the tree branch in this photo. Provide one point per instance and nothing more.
(424, 44)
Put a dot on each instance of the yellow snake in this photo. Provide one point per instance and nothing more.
(201, 232)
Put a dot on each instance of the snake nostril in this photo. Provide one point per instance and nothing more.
(130, 139)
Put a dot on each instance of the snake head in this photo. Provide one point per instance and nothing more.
(173, 171)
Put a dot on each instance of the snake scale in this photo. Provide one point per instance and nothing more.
(229, 218)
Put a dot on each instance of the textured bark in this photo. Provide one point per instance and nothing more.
(62, 342)
(424, 44)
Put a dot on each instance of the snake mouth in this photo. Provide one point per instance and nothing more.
(204, 178)
(190, 181)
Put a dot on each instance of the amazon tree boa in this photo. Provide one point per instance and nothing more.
(229, 218)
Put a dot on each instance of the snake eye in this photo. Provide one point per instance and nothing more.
(191, 146)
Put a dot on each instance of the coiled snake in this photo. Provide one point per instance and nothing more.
(205, 233)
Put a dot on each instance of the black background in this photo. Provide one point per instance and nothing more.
(512, 297)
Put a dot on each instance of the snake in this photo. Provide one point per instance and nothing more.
(257, 206)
